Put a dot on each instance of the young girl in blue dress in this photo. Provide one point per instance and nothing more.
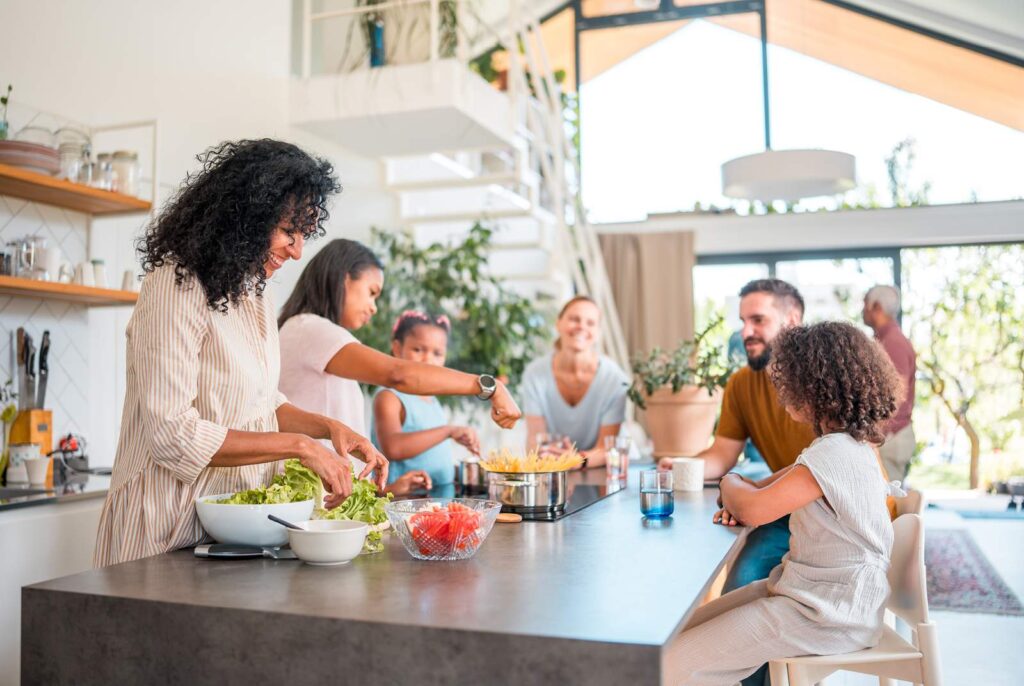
(413, 430)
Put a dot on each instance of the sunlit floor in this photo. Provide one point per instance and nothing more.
(977, 649)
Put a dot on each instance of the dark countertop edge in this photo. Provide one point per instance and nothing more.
(41, 587)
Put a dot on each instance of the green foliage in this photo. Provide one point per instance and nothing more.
(966, 308)
(494, 330)
(898, 166)
(693, 363)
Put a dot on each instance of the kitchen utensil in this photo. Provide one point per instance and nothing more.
(471, 477)
(444, 544)
(656, 497)
(509, 518)
(528, 492)
(30, 371)
(233, 551)
(328, 541)
(20, 371)
(248, 524)
(283, 522)
(44, 369)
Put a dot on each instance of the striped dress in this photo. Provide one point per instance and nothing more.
(192, 374)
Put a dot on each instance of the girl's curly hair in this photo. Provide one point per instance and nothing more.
(218, 226)
(843, 380)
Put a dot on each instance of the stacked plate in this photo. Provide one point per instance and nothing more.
(32, 156)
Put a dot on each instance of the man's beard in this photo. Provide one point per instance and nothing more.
(759, 362)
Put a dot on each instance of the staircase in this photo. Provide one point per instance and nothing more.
(456, 151)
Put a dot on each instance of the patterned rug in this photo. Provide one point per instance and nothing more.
(961, 579)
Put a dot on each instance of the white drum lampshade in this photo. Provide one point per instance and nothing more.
(788, 175)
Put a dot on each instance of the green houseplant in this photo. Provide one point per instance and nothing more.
(494, 330)
(681, 390)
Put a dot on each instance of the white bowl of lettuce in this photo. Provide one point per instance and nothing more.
(242, 517)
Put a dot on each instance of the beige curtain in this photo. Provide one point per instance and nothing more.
(652, 281)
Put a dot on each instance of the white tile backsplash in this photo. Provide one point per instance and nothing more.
(79, 376)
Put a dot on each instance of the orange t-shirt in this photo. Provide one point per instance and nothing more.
(751, 409)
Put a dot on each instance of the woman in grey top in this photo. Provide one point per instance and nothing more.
(828, 595)
(575, 391)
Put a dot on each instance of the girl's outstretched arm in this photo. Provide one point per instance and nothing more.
(753, 505)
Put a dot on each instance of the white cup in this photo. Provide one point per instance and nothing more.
(688, 473)
(128, 281)
(84, 274)
(20, 454)
(36, 468)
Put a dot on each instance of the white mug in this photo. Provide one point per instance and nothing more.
(37, 468)
(688, 473)
(84, 275)
(48, 261)
(128, 280)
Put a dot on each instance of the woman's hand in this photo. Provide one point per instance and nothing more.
(725, 518)
(504, 410)
(410, 482)
(467, 438)
(347, 442)
(334, 471)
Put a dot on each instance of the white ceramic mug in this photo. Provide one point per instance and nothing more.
(688, 473)
(20, 453)
(36, 468)
(84, 275)
(128, 281)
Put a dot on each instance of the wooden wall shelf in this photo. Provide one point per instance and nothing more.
(36, 187)
(68, 292)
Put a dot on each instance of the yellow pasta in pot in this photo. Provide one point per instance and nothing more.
(532, 462)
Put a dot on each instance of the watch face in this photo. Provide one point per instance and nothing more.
(487, 381)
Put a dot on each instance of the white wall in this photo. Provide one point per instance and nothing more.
(918, 226)
(208, 71)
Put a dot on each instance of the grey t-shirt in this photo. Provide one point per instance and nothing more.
(604, 402)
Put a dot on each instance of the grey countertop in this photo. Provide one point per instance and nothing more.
(603, 579)
(82, 487)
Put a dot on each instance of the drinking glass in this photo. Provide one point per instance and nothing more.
(615, 461)
(656, 498)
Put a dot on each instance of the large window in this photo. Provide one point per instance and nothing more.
(666, 99)
(963, 310)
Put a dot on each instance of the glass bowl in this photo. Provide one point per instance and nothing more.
(442, 528)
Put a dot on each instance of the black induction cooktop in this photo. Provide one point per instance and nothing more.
(582, 490)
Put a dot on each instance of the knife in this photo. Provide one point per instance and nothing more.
(233, 551)
(44, 369)
(20, 371)
(30, 372)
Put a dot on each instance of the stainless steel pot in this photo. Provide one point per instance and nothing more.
(471, 478)
(529, 492)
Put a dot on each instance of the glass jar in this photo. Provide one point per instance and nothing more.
(126, 172)
(103, 172)
(70, 160)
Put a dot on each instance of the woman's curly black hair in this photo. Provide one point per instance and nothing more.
(218, 226)
(843, 380)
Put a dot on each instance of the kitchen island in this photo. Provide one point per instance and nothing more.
(592, 598)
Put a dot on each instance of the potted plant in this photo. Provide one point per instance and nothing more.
(495, 330)
(681, 391)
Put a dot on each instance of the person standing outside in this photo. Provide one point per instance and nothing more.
(881, 311)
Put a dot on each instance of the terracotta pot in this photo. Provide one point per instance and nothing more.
(680, 424)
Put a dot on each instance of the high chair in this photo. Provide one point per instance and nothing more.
(893, 657)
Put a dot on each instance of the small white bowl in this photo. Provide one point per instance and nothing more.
(248, 524)
(328, 541)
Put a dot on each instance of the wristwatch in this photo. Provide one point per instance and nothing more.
(488, 385)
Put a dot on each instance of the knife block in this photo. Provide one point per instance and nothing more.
(35, 426)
